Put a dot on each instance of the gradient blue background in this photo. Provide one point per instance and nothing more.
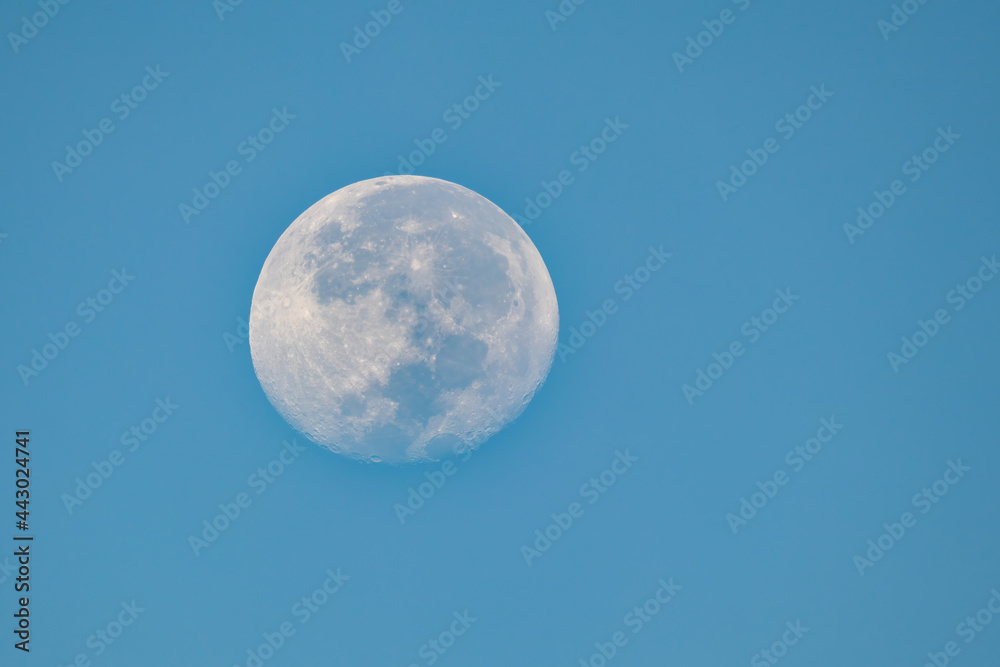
(164, 335)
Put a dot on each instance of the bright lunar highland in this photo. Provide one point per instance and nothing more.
(402, 318)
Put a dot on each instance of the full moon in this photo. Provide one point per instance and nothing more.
(402, 319)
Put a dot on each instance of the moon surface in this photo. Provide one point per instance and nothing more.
(401, 319)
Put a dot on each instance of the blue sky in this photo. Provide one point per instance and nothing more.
(164, 335)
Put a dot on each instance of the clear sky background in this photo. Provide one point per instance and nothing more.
(174, 332)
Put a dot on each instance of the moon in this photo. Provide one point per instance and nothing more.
(402, 319)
